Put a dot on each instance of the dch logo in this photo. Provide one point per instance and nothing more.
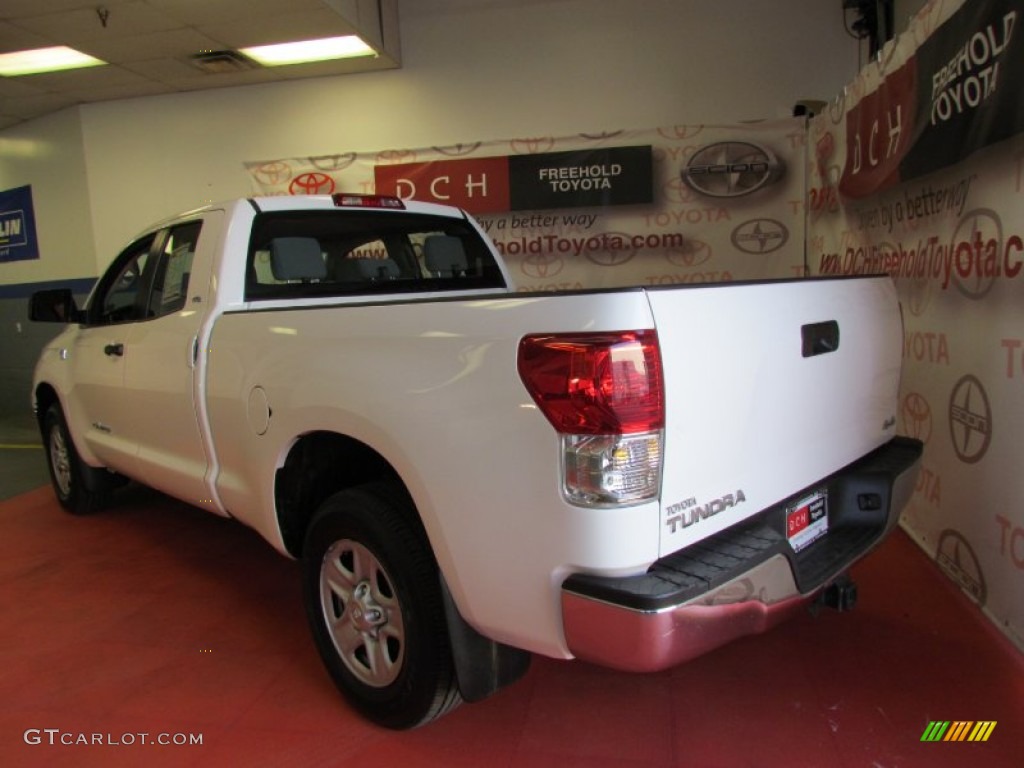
(312, 183)
(731, 169)
(760, 236)
(916, 415)
(956, 557)
(970, 420)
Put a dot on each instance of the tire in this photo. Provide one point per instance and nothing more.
(78, 491)
(373, 600)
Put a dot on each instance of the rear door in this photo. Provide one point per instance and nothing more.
(769, 388)
(159, 398)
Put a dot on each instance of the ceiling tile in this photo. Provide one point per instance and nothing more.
(148, 45)
(283, 27)
(74, 27)
(174, 43)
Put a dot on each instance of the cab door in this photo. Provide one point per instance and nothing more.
(97, 356)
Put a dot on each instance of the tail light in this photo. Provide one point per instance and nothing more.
(603, 394)
(345, 200)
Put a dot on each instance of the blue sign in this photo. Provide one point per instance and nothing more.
(17, 225)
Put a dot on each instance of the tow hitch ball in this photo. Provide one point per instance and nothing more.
(841, 594)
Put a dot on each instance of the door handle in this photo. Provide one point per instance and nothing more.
(820, 338)
(115, 350)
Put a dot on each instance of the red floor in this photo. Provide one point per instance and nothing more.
(153, 618)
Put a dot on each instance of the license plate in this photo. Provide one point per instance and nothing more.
(807, 520)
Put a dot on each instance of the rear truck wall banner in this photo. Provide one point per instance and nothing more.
(917, 170)
(663, 206)
(954, 94)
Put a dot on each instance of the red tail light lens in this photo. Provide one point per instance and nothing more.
(595, 383)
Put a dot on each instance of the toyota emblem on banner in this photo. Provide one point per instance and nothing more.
(731, 169)
(541, 266)
(312, 183)
(917, 417)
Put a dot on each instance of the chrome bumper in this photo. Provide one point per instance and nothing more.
(650, 622)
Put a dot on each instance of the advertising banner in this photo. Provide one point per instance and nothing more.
(917, 170)
(663, 206)
(17, 225)
(954, 93)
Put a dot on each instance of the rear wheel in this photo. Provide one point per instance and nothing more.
(78, 487)
(373, 599)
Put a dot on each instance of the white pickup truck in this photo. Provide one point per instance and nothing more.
(469, 474)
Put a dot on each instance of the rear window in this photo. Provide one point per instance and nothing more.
(344, 253)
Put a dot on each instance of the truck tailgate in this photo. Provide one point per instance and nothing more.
(769, 388)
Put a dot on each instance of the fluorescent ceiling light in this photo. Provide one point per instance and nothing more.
(307, 51)
(45, 60)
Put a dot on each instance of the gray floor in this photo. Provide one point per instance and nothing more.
(22, 464)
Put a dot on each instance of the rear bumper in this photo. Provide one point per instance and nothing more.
(742, 581)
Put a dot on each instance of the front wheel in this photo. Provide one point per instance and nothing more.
(67, 470)
(373, 599)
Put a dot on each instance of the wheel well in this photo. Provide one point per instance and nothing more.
(45, 397)
(318, 465)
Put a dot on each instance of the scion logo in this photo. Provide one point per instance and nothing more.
(916, 417)
(541, 265)
(956, 557)
(312, 183)
(276, 172)
(970, 420)
(692, 254)
(760, 236)
(612, 257)
(333, 162)
(731, 169)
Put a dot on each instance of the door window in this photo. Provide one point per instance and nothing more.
(148, 279)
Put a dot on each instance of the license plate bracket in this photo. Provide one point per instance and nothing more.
(807, 520)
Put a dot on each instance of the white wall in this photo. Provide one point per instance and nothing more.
(48, 154)
(472, 70)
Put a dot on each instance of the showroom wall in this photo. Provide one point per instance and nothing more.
(472, 70)
(916, 169)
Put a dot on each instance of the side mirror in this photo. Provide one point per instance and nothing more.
(56, 305)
